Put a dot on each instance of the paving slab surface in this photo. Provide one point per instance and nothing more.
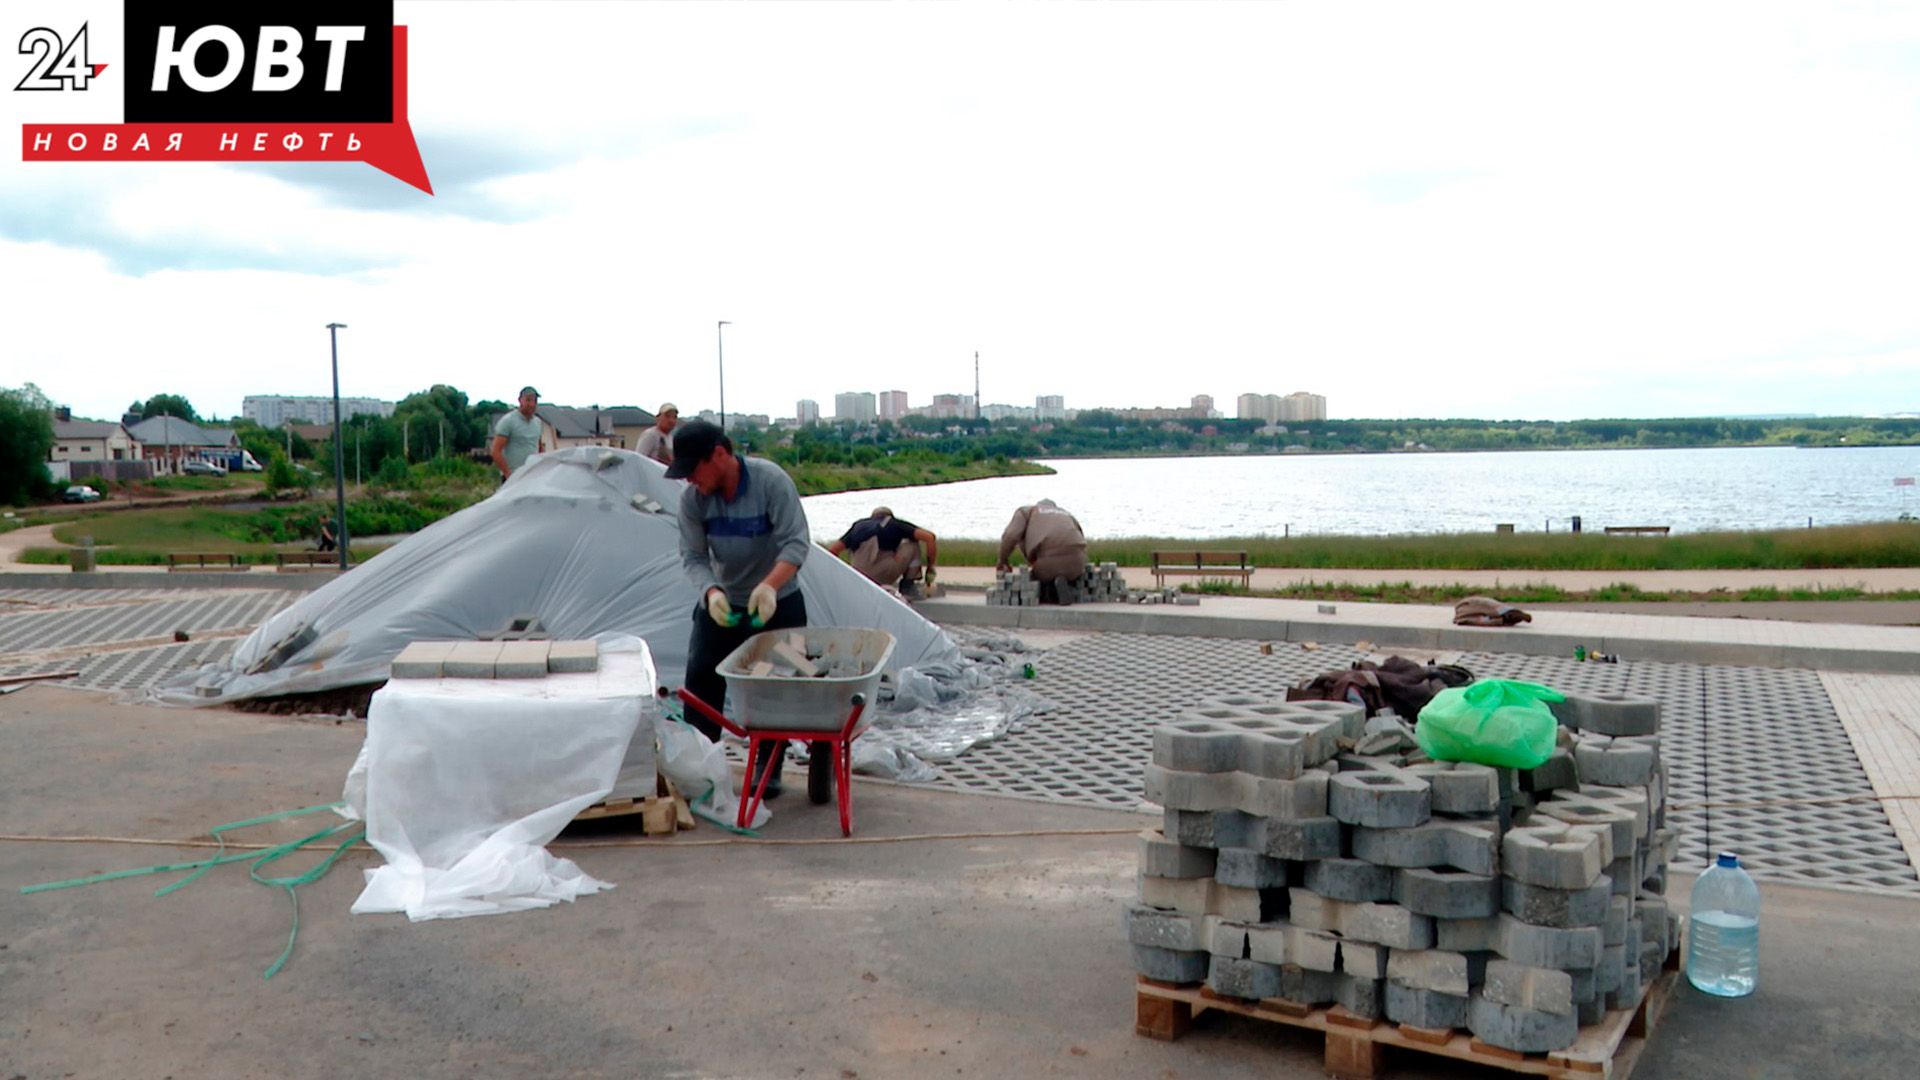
(1730, 735)
(1736, 734)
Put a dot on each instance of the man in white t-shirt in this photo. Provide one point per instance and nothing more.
(657, 441)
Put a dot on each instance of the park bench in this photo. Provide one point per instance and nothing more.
(202, 560)
(300, 561)
(1638, 530)
(1203, 564)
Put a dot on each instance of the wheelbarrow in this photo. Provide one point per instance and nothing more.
(824, 712)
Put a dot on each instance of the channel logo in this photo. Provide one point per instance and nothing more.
(221, 80)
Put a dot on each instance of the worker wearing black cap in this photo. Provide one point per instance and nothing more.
(743, 537)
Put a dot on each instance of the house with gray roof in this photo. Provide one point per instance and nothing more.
(92, 440)
(167, 440)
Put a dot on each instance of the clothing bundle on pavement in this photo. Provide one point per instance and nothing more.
(1396, 684)
(1486, 611)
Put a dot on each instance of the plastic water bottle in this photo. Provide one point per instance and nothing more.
(1723, 932)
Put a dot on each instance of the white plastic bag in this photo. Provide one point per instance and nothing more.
(699, 768)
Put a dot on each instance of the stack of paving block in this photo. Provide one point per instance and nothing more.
(789, 659)
(1013, 588)
(1103, 584)
(1516, 904)
(494, 659)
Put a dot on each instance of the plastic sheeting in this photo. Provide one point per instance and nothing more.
(933, 713)
(585, 538)
(462, 783)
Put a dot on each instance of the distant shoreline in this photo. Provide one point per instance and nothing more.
(1350, 452)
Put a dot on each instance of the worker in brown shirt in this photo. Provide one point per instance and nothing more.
(1054, 546)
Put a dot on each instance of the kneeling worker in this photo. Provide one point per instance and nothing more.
(887, 550)
(1054, 546)
(743, 537)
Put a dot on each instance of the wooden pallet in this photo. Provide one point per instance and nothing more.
(1356, 1046)
(660, 815)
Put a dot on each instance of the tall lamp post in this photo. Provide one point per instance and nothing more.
(720, 332)
(339, 451)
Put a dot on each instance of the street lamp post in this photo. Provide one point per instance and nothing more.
(720, 331)
(339, 451)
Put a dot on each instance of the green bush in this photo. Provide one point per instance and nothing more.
(393, 472)
(281, 475)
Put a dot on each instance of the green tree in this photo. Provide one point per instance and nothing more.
(172, 405)
(26, 438)
(440, 412)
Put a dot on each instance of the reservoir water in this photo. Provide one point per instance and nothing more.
(1382, 494)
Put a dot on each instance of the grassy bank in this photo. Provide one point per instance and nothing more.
(813, 478)
(1404, 592)
(1835, 547)
(428, 493)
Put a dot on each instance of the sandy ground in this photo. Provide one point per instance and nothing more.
(997, 956)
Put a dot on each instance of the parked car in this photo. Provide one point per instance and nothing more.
(202, 468)
(81, 493)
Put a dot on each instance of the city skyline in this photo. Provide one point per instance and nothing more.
(1358, 201)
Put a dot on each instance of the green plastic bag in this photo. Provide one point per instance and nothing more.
(1493, 722)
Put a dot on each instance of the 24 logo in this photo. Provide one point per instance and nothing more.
(57, 65)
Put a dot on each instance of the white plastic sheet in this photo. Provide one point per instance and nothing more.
(464, 781)
(586, 538)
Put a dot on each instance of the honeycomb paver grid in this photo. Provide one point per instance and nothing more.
(1773, 737)
(129, 669)
(135, 619)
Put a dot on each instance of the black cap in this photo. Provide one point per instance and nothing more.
(693, 443)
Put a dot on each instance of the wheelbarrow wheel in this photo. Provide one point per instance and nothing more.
(820, 773)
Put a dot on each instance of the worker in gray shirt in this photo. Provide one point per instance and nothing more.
(518, 436)
(743, 537)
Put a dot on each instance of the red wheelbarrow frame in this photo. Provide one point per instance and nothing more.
(839, 743)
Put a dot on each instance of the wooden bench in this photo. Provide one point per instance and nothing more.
(1203, 564)
(301, 561)
(202, 560)
(1638, 530)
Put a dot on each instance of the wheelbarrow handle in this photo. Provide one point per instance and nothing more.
(707, 711)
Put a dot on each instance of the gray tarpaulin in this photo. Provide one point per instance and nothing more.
(585, 538)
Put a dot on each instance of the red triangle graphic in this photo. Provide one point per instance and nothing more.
(97, 69)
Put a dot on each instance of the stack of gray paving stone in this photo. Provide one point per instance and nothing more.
(1013, 588)
(1516, 904)
(1103, 584)
(1098, 584)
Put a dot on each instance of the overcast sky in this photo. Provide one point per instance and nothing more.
(1468, 210)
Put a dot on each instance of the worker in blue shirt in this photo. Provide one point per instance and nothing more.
(743, 537)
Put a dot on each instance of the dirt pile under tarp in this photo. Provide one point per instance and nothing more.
(587, 539)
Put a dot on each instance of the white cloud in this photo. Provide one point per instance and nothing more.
(1512, 210)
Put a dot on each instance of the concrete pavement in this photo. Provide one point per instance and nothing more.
(1871, 579)
(1755, 642)
(995, 956)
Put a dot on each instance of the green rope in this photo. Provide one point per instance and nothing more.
(292, 883)
(256, 859)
